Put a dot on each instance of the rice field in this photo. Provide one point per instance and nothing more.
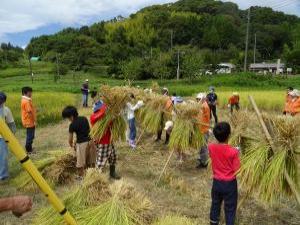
(49, 105)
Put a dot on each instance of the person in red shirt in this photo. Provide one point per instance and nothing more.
(225, 164)
(234, 102)
(105, 148)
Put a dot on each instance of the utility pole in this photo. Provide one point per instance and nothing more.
(171, 40)
(30, 67)
(178, 65)
(247, 41)
(254, 53)
(57, 68)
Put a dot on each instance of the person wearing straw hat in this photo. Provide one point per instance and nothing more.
(204, 121)
(7, 116)
(288, 101)
(295, 102)
(234, 102)
(85, 93)
(212, 100)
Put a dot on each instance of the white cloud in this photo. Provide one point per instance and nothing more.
(18, 16)
(24, 15)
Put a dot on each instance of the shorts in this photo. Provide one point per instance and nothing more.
(85, 154)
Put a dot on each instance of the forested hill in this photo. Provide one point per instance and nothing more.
(206, 32)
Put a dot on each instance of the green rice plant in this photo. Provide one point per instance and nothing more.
(172, 220)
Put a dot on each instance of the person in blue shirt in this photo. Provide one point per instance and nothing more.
(212, 100)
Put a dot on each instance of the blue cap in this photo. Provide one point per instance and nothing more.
(2, 98)
(97, 106)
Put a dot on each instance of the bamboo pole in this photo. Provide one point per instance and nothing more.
(166, 164)
(271, 142)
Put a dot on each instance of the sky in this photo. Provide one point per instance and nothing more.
(22, 20)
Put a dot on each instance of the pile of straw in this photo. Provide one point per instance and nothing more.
(98, 202)
(115, 99)
(263, 169)
(186, 133)
(172, 220)
(62, 170)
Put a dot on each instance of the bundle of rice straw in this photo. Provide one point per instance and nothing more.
(25, 182)
(155, 87)
(172, 220)
(124, 208)
(62, 170)
(94, 190)
(154, 113)
(263, 169)
(186, 133)
(115, 98)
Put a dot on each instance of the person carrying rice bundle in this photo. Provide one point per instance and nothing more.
(288, 101)
(295, 103)
(234, 102)
(131, 108)
(204, 121)
(105, 148)
(168, 109)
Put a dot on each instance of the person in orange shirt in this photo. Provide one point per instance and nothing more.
(204, 125)
(28, 117)
(288, 100)
(234, 102)
(295, 103)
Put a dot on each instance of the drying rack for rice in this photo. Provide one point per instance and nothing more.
(153, 115)
(115, 99)
(186, 131)
(269, 167)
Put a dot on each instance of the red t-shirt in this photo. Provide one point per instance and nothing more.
(96, 116)
(225, 161)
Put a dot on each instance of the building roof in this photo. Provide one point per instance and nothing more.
(35, 58)
(229, 65)
(266, 65)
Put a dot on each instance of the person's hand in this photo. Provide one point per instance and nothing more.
(228, 105)
(21, 205)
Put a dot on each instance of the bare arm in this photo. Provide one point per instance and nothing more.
(71, 140)
(18, 204)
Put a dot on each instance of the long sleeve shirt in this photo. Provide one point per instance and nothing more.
(28, 112)
(132, 108)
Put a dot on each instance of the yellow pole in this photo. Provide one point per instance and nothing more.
(27, 164)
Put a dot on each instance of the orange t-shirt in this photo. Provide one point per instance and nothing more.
(169, 104)
(287, 105)
(295, 107)
(235, 99)
(28, 112)
(204, 118)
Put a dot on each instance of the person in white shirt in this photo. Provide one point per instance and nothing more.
(6, 115)
(131, 108)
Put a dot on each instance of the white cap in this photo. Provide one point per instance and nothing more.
(87, 80)
(169, 124)
(295, 93)
(201, 96)
(235, 93)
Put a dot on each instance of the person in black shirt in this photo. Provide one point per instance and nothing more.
(84, 146)
(85, 93)
(212, 100)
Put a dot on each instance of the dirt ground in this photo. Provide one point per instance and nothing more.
(182, 190)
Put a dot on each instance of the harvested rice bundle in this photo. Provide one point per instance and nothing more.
(94, 190)
(24, 181)
(263, 168)
(62, 170)
(186, 133)
(155, 87)
(115, 99)
(154, 114)
(171, 220)
(118, 210)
